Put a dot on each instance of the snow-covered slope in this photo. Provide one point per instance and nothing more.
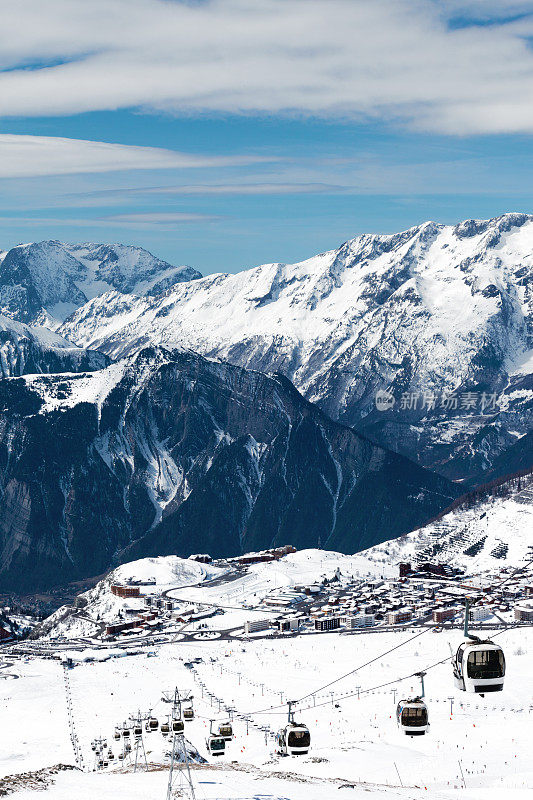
(25, 350)
(493, 531)
(167, 452)
(44, 282)
(154, 575)
(433, 311)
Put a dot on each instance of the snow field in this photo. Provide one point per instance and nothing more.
(488, 738)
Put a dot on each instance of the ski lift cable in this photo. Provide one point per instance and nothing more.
(372, 688)
(342, 677)
(398, 680)
(366, 664)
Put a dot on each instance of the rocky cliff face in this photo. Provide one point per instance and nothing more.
(25, 350)
(43, 282)
(433, 312)
(167, 452)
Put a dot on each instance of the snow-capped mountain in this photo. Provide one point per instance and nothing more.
(433, 312)
(479, 534)
(44, 282)
(26, 350)
(166, 452)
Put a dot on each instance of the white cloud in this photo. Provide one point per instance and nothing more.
(147, 220)
(384, 59)
(236, 189)
(32, 156)
(155, 218)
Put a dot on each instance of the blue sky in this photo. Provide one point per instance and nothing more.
(244, 133)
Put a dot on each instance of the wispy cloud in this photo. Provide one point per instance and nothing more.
(32, 156)
(236, 189)
(395, 60)
(156, 218)
(147, 220)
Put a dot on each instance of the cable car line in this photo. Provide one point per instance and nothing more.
(361, 666)
(396, 680)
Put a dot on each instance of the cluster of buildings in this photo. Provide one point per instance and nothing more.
(155, 612)
(429, 594)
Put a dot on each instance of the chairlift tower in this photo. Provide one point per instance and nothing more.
(179, 776)
(180, 782)
(138, 721)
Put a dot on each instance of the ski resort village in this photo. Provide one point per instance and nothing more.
(393, 672)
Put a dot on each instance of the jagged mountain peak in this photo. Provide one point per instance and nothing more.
(44, 282)
(437, 308)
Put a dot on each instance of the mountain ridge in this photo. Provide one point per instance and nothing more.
(26, 350)
(167, 451)
(438, 309)
(43, 282)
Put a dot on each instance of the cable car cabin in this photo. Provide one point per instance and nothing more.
(216, 745)
(479, 667)
(165, 729)
(126, 733)
(188, 714)
(138, 731)
(177, 726)
(151, 725)
(226, 731)
(293, 740)
(412, 717)
(117, 735)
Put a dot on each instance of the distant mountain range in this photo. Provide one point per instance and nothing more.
(167, 452)
(424, 314)
(43, 282)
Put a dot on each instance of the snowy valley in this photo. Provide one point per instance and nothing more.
(216, 633)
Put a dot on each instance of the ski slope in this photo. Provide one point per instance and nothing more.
(355, 740)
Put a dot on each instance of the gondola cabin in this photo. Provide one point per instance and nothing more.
(293, 740)
(216, 745)
(225, 730)
(177, 726)
(412, 717)
(479, 667)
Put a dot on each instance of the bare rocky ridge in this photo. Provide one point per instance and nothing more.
(167, 452)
